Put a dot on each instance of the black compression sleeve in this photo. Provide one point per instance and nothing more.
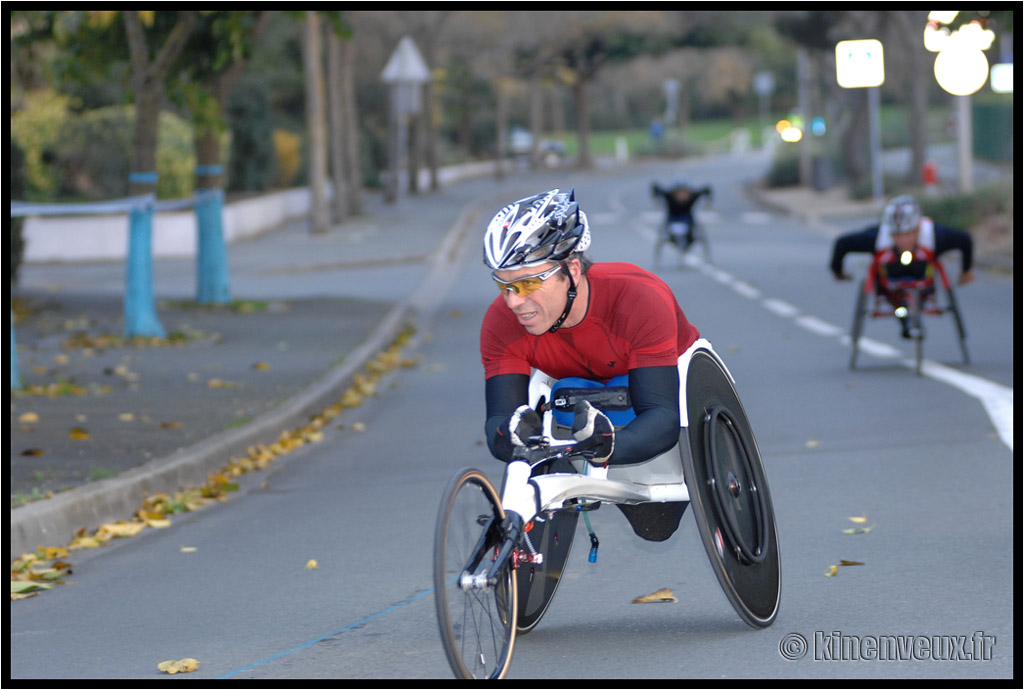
(861, 242)
(949, 239)
(504, 394)
(654, 393)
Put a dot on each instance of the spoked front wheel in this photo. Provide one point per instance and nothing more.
(859, 311)
(477, 619)
(729, 492)
(958, 320)
(700, 236)
(661, 242)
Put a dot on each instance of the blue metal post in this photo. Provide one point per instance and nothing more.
(211, 258)
(140, 318)
(15, 379)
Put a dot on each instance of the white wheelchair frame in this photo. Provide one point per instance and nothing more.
(657, 480)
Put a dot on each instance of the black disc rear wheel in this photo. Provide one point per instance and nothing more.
(729, 492)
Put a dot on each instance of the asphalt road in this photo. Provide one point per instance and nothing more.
(920, 457)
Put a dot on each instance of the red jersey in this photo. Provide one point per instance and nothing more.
(632, 321)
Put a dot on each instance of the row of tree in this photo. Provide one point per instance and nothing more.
(490, 69)
(194, 60)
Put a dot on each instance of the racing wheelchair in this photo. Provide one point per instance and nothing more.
(905, 285)
(498, 557)
(674, 227)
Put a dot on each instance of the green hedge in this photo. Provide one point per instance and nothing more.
(87, 156)
(967, 210)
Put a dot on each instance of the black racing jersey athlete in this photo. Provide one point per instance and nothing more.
(865, 242)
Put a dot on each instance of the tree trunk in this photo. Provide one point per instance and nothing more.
(501, 128)
(319, 221)
(414, 129)
(855, 139)
(920, 76)
(209, 174)
(536, 96)
(430, 134)
(583, 121)
(353, 159)
(143, 176)
(148, 77)
(335, 98)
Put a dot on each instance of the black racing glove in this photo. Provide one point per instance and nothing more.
(594, 434)
(516, 432)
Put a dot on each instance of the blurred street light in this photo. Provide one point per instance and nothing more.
(1002, 77)
(961, 68)
(942, 16)
(961, 71)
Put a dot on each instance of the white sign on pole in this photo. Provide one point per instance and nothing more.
(406, 65)
(860, 64)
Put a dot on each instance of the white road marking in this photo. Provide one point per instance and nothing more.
(819, 327)
(780, 308)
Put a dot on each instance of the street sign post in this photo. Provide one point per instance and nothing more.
(861, 64)
(405, 72)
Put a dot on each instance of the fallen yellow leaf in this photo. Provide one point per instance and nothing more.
(126, 417)
(261, 366)
(188, 549)
(351, 398)
(179, 666)
(844, 562)
(28, 418)
(662, 595)
(312, 564)
(48, 553)
(84, 543)
(79, 434)
(122, 529)
(832, 570)
(858, 519)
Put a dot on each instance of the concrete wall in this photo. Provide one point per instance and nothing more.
(100, 238)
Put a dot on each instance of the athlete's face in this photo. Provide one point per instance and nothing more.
(537, 310)
(905, 241)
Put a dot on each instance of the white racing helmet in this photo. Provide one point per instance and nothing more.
(901, 215)
(546, 227)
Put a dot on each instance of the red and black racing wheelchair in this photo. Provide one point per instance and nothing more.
(907, 285)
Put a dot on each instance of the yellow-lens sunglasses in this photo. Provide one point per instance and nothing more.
(527, 285)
